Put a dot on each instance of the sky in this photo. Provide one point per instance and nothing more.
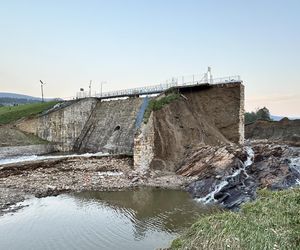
(131, 43)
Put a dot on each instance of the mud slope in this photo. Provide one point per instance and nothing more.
(209, 116)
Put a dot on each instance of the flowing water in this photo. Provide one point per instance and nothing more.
(210, 198)
(136, 219)
(27, 158)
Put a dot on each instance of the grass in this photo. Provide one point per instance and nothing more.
(12, 114)
(157, 104)
(270, 222)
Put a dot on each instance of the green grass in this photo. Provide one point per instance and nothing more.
(270, 222)
(12, 114)
(157, 104)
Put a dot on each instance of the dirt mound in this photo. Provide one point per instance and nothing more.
(285, 130)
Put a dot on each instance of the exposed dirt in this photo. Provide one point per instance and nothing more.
(52, 177)
(197, 117)
(284, 131)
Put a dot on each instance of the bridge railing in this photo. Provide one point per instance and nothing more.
(173, 82)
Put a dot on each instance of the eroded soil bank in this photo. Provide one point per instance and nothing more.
(51, 177)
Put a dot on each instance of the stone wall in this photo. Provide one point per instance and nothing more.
(63, 126)
(111, 127)
(144, 146)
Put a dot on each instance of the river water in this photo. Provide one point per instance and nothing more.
(136, 219)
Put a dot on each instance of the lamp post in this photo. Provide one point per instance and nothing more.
(42, 89)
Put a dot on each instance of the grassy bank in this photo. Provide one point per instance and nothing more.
(12, 114)
(270, 222)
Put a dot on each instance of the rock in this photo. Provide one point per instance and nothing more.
(225, 179)
(135, 179)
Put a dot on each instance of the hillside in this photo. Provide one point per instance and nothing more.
(12, 114)
(18, 96)
(11, 99)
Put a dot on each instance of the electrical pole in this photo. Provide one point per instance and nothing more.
(42, 89)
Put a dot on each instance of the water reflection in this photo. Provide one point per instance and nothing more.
(137, 219)
(167, 210)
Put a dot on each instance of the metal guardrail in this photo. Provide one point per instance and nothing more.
(154, 89)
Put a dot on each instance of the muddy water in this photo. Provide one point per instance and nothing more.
(139, 219)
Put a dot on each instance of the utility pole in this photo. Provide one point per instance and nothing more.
(42, 89)
(90, 88)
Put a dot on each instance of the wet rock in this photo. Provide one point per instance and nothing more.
(226, 176)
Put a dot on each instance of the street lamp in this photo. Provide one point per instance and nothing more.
(42, 89)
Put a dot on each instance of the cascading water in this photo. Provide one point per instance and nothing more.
(210, 198)
(295, 165)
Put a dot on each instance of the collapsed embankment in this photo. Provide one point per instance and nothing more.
(199, 116)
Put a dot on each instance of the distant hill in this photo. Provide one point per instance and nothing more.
(278, 118)
(18, 96)
(10, 99)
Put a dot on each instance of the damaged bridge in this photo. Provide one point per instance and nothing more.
(201, 113)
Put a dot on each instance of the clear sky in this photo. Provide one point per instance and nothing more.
(131, 43)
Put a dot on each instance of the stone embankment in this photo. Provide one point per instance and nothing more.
(52, 177)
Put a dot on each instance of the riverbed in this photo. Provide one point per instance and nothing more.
(143, 218)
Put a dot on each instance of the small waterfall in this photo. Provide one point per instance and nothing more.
(210, 198)
(295, 165)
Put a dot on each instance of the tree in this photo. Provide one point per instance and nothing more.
(263, 114)
(260, 114)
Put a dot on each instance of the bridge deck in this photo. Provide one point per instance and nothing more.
(157, 89)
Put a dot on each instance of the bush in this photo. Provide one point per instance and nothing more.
(157, 104)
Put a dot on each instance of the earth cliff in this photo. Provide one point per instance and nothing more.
(284, 131)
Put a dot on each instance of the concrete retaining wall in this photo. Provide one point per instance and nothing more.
(62, 126)
(111, 127)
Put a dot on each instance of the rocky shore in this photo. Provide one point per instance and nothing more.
(19, 181)
(231, 175)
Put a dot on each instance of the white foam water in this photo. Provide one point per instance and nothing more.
(46, 157)
(295, 164)
(210, 198)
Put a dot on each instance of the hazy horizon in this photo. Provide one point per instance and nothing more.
(137, 43)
